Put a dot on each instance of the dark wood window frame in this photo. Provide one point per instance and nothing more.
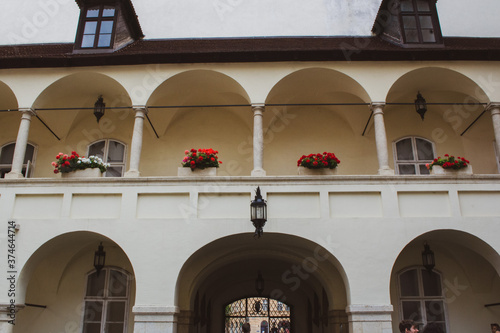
(99, 20)
(417, 15)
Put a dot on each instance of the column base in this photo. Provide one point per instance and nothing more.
(386, 172)
(14, 175)
(132, 174)
(155, 319)
(370, 318)
(258, 173)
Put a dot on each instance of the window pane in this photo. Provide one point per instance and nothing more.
(114, 328)
(406, 6)
(108, 12)
(90, 28)
(92, 328)
(30, 150)
(428, 36)
(434, 310)
(88, 41)
(7, 154)
(116, 152)
(411, 310)
(116, 311)
(423, 169)
(117, 284)
(97, 149)
(93, 12)
(426, 22)
(104, 41)
(114, 172)
(432, 283)
(106, 27)
(409, 283)
(404, 150)
(424, 150)
(411, 36)
(93, 311)
(423, 6)
(407, 169)
(95, 284)
(409, 22)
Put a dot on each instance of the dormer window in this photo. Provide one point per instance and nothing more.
(419, 21)
(98, 27)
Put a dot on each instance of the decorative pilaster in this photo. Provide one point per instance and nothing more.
(21, 143)
(136, 147)
(381, 140)
(494, 108)
(155, 319)
(258, 140)
(369, 318)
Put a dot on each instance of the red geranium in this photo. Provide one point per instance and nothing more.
(201, 158)
(319, 161)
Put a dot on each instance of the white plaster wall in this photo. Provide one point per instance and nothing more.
(55, 21)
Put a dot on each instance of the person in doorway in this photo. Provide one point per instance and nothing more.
(246, 328)
(407, 326)
(495, 328)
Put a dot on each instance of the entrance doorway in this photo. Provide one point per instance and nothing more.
(265, 315)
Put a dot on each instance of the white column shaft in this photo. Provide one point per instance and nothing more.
(258, 140)
(21, 143)
(495, 117)
(381, 140)
(136, 147)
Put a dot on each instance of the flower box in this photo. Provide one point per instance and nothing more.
(439, 170)
(188, 172)
(85, 173)
(303, 171)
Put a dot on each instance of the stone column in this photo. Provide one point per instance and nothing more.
(8, 313)
(369, 318)
(258, 140)
(21, 143)
(494, 108)
(136, 147)
(155, 319)
(381, 140)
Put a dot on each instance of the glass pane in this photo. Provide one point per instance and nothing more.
(93, 311)
(90, 28)
(97, 149)
(407, 169)
(434, 310)
(92, 328)
(406, 6)
(114, 172)
(108, 12)
(424, 150)
(114, 328)
(95, 284)
(106, 27)
(7, 154)
(116, 311)
(404, 150)
(116, 152)
(409, 22)
(426, 22)
(409, 283)
(432, 283)
(93, 12)
(411, 310)
(423, 6)
(411, 36)
(30, 150)
(88, 41)
(104, 41)
(118, 284)
(428, 36)
(423, 169)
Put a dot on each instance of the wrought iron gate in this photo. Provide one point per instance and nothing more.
(270, 315)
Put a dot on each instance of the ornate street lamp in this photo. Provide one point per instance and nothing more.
(99, 108)
(99, 258)
(258, 213)
(428, 258)
(420, 105)
(259, 284)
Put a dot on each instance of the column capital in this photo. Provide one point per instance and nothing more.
(258, 107)
(29, 111)
(140, 108)
(493, 107)
(377, 106)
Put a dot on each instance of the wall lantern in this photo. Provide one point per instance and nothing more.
(99, 108)
(258, 213)
(259, 284)
(420, 105)
(428, 258)
(99, 258)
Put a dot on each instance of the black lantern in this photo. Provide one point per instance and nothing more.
(428, 258)
(420, 105)
(99, 108)
(258, 213)
(99, 258)
(259, 284)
